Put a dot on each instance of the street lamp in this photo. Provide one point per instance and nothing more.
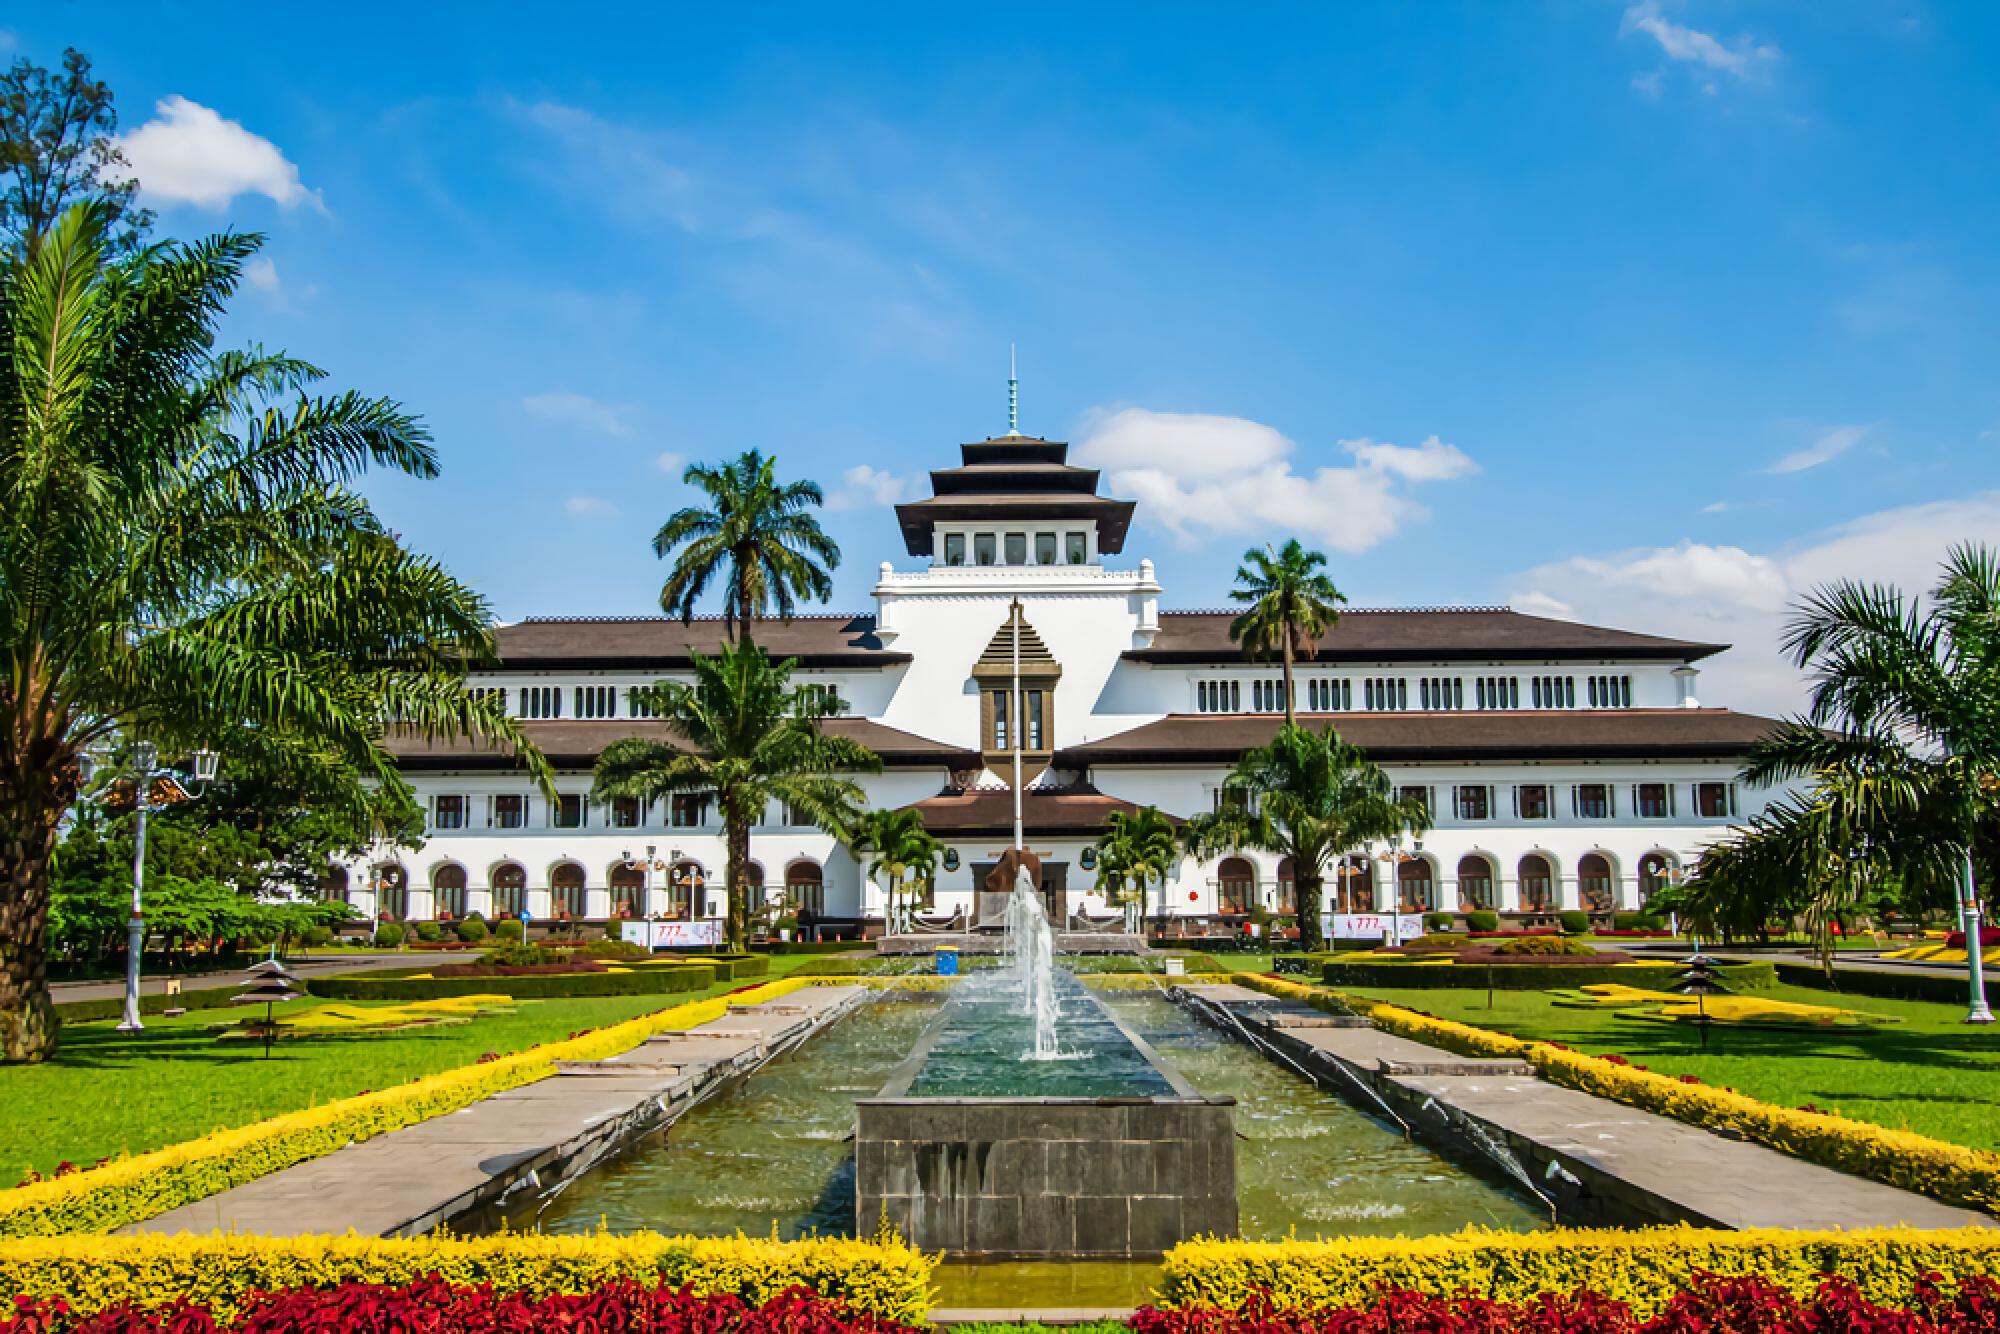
(145, 769)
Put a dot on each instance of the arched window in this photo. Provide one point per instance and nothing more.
(1538, 892)
(1418, 888)
(688, 891)
(628, 890)
(1235, 885)
(1594, 883)
(333, 885)
(753, 880)
(448, 890)
(805, 886)
(1655, 874)
(510, 889)
(1475, 884)
(566, 890)
(1288, 889)
(392, 891)
(1354, 884)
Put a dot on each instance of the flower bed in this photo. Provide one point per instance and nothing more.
(564, 968)
(652, 981)
(382, 1281)
(129, 1189)
(1644, 1268)
(1521, 973)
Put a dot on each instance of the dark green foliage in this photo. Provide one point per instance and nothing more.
(1551, 946)
(638, 982)
(510, 928)
(1527, 976)
(1945, 987)
(1482, 921)
(608, 948)
(1573, 922)
(316, 937)
(516, 955)
(58, 147)
(430, 932)
(112, 1007)
(470, 930)
(1633, 921)
(818, 946)
(389, 935)
(1439, 921)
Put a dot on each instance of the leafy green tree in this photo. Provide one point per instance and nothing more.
(745, 735)
(758, 533)
(59, 148)
(900, 850)
(1291, 604)
(183, 559)
(1136, 849)
(1311, 797)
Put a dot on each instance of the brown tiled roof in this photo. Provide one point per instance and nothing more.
(1389, 737)
(659, 642)
(1448, 634)
(572, 743)
(1079, 810)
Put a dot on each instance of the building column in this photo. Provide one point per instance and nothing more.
(597, 901)
(1626, 894)
(423, 904)
(1568, 895)
(479, 901)
(657, 901)
(362, 900)
(541, 904)
(1506, 894)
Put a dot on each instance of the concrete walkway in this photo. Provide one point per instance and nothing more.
(411, 1180)
(1604, 1161)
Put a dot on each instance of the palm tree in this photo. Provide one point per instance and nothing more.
(1902, 735)
(898, 848)
(184, 561)
(1311, 797)
(759, 530)
(1291, 604)
(1137, 848)
(745, 735)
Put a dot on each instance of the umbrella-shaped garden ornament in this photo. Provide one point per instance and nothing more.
(270, 984)
(1701, 977)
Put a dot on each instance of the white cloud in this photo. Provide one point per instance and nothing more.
(1823, 450)
(1718, 507)
(590, 507)
(670, 462)
(578, 410)
(188, 154)
(863, 487)
(1742, 58)
(261, 274)
(1726, 594)
(1202, 476)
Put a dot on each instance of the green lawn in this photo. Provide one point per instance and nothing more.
(107, 1093)
(1929, 1073)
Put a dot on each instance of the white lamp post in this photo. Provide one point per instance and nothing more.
(145, 769)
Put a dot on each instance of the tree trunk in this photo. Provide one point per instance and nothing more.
(1310, 887)
(1291, 709)
(742, 577)
(27, 845)
(737, 928)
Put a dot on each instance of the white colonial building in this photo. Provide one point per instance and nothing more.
(1565, 765)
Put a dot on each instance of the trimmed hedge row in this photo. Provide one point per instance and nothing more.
(661, 981)
(816, 946)
(218, 1271)
(129, 1189)
(113, 1007)
(1528, 976)
(1946, 988)
(1644, 1268)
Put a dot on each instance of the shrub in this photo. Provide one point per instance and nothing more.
(560, 968)
(517, 955)
(1482, 921)
(510, 928)
(1633, 921)
(1574, 923)
(430, 932)
(834, 966)
(1520, 973)
(372, 1283)
(566, 983)
(471, 930)
(1545, 946)
(316, 937)
(389, 935)
(607, 948)
(1945, 988)
(1439, 921)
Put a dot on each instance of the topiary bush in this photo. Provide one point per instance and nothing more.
(1545, 946)
(1632, 921)
(471, 930)
(1573, 922)
(608, 948)
(316, 937)
(429, 932)
(516, 955)
(389, 935)
(1439, 921)
(1482, 921)
(509, 928)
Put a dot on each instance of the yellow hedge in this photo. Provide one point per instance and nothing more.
(1944, 1171)
(1644, 1268)
(129, 1189)
(92, 1273)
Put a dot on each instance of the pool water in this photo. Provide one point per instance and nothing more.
(981, 1045)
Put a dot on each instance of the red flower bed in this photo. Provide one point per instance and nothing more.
(1717, 1305)
(1512, 934)
(1989, 936)
(516, 969)
(1634, 933)
(435, 1307)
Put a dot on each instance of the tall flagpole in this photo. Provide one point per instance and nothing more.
(1014, 734)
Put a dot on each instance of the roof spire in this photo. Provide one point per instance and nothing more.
(1013, 394)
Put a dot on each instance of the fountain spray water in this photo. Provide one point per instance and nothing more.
(1032, 947)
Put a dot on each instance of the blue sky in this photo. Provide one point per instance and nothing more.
(1651, 314)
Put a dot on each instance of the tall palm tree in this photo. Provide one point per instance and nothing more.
(1291, 603)
(745, 735)
(1136, 849)
(1902, 734)
(184, 561)
(899, 848)
(757, 532)
(1311, 797)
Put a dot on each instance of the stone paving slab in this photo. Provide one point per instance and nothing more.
(1228, 993)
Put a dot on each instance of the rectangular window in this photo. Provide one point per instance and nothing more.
(689, 810)
(982, 548)
(1076, 548)
(636, 705)
(1593, 801)
(1045, 548)
(954, 548)
(1532, 801)
(567, 813)
(448, 812)
(1475, 802)
(1650, 801)
(510, 811)
(625, 813)
(1017, 548)
(1711, 801)
(1420, 795)
(1000, 702)
(1033, 702)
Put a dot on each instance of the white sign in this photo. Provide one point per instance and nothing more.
(1374, 926)
(672, 935)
